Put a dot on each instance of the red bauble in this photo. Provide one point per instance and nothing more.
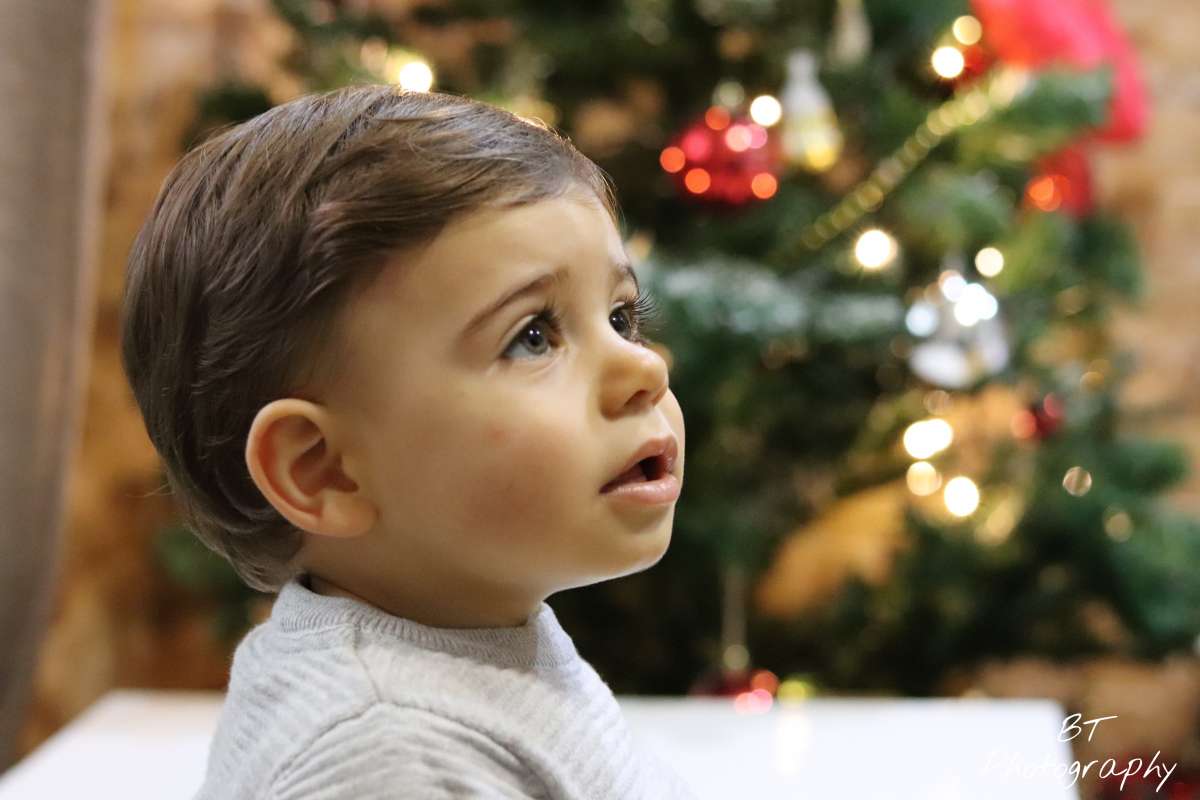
(1047, 416)
(1075, 33)
(723, 159)
(976, 62)
(1063, 180)
(721, 683)
(717, 682)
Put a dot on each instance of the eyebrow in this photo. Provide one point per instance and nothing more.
(621, 271)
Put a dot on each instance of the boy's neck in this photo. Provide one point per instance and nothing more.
(443, 618)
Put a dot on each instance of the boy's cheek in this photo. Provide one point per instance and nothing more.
(518, 478)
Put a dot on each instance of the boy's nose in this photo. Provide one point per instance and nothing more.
(634, 375)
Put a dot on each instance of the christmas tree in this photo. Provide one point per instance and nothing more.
(885, 289)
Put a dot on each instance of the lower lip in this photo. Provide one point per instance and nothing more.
(663, 490)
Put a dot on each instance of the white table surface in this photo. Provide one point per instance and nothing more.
(137, 745)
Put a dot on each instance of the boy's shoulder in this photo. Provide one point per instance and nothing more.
(299, 702)
(389, 745)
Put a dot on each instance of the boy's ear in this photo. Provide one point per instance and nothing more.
(296, 464)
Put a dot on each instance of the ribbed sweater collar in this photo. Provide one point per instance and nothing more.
(541, 641)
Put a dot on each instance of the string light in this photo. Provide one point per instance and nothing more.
(729, 93)
(414, 75)
(989, 261)
(697, 180)
(1047, 192)
(793, 689)
(764, 185)
(1077, 481)
(999, 525)
(765, 110)
(756, 701)
(967, 30)
(997, 91)
(716, 118)
(923, 478)
(961, 496)
(948, 62)
(672, 159)
(1118, 525)
(922, 319)
(736, 657)
(875, 249)
(952, 284)
(976, 303)
(738, 138)
(928, 437)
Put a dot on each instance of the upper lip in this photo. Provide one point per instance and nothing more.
(664, 448)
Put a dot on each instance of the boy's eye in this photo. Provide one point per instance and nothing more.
(533, 333)
(630, 318)
(634, 315)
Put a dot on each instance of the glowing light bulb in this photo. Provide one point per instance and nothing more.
(975, 303)
(738, 138)
(729, 93)
(922, 319)
(967, 29)
(697, 180)
(764, 185)
(672, 159)
(1077, 481)
(765, 110)
(989, 261)
(875, 249)
(948, 62)
(952, 284)
(415, 76)
(961, 496)
(927, 437)
(923, 479)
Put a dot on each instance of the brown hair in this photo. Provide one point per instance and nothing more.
(261, 234)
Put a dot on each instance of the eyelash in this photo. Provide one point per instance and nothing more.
(644, 312)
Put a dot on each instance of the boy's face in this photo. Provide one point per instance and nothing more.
(484, 449)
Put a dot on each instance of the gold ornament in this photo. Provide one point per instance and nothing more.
(850, 41)
(812, 139)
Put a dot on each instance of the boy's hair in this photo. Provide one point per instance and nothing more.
(257, 240)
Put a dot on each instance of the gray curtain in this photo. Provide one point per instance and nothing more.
(53, 145)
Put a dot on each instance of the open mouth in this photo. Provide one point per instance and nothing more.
(648, 469)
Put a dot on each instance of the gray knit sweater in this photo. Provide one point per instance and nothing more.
(334, 699)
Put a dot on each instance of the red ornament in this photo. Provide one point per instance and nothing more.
(735, 682)
(1039, 420)
(1047, 416)
(723, 159)
(1076, 33)
(721, 683)
(1063, 181)
(976, 62)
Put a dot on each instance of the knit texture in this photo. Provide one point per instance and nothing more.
(333, 699)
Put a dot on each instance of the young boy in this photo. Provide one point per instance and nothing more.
(388, 346)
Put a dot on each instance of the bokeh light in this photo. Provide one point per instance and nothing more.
(415, 76)
(765, 110)
(672, 159)
(948, 62)
(961, 496)
(989, 261)
(697, 180)
(923, 479)
(967, 30)
(875, 249)
(927, 437)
